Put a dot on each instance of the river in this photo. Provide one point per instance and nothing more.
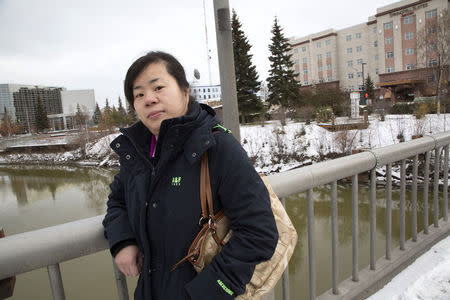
(35, 197)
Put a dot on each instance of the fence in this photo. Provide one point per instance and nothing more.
(50, 246)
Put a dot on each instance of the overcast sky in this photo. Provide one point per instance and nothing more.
(89, 44)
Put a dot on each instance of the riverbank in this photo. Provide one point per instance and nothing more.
(272, 148)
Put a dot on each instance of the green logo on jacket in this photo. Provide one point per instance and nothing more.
(176, 181)
(224, 287)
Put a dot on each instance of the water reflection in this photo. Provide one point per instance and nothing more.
(30, 184)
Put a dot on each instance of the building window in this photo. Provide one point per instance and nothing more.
(359, 61)
(389, 54)
(319, 56)
(358, 48)
(409, 35)
(350, 75)
(358, 35)
(330, 78)
(376, 57)
(390, 69)
(432, 30)
(349, 50)
(204, 90)
(328, 54)
(295, 50)
(318, 44)
(377, 71)
(296, 62)
(328, 42)
(321, 80)
(374, 29)
(388, 25)
(209, 91)
(328, 66)
(431, 46)
(303, 49)
(431, 14)
(432, 62)
(431, 78)
(350, 63)
(389, 40)
(320, 68)
(409, 51)
(305, 82)
(408, 20)
(409, 67)
(348, 38)
(375, 43)
(305, 60)
(360, 87)
(305, 71)
(359, 74)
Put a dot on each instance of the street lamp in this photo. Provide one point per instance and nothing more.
(363, 83)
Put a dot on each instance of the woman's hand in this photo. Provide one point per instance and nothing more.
(129, 260)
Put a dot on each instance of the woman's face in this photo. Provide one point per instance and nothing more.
(158, 97)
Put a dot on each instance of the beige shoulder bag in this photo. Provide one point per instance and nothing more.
(215, 233)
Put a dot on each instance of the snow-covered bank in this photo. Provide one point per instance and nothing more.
(427, 278)
(273, 148)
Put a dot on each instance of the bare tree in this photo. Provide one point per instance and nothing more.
(433, 41)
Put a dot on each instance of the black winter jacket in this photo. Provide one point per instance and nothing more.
(155, 203)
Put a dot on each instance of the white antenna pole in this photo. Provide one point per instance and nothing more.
(208, 56)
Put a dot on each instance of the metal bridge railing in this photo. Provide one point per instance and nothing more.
(50, 246)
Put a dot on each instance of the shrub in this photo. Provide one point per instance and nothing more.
(403, 108)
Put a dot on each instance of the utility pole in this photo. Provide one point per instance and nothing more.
(226, 67)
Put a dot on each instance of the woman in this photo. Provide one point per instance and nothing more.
(154, 205)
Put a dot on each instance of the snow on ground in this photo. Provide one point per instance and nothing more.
(272, 148)
(427, 278)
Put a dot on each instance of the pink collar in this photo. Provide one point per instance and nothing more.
(153, 146)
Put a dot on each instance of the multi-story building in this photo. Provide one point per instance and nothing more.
(25, 100)
(71, 100)
(61, 105)
(206, 93)
(386, 47)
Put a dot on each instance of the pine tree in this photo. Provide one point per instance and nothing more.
(79, 116)
(247, 84)
(131, 115)
(369, 88)
(6, 125)
(41, 116)
(97, 114)
(122, 114)
(282, 85)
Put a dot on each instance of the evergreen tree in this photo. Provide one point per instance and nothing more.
(369, 88)
(106, 119)
(131, 115)
(41, 116)
(79, 116)
(122, 114)
(97, 114)
(6, 125)
(247, 84)
(283, 87)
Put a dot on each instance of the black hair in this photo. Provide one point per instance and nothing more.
(173, 67)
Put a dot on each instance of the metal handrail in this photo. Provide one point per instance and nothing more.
(28, 251)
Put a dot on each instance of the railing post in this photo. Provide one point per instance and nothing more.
(426, 177)
(373, 216)
(402, 204)
(437, 153)
(121, 282)
(355, 228)
(414, 200)
(334, 238)
(445, 187)
(388, 210)
(311, 246)
(285, 276)
(56, 284)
